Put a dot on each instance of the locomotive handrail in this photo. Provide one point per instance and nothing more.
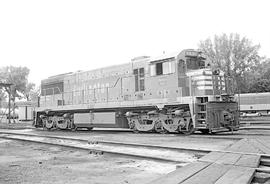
(116, 81)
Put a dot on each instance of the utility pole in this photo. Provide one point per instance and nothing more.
(9, 99)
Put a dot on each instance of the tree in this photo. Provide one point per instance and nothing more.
(2, 97)
(34, 94)
(261, 76)
(28, 90)
(18, 77)
(265, 69)
(234, 55)
(266, 74)
(261, 85)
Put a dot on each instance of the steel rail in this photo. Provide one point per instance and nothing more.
(23, 137)
(4, 135)
(96, 151)
(229, 135)
(133, 144)
(112, 142)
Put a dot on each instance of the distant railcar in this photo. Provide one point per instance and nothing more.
(254, 103)
(170, 93)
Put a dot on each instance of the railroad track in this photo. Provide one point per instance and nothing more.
(235, 136)
(150, 152)
(228, 135)
(224, 135)
(100, 144)
(142, 151)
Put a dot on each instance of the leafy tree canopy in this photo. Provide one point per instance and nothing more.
(28, 90)
(234, 55)
(16, 76)
(261, 85)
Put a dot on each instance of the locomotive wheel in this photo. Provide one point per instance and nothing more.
(158, 126)
(140, 125)
(161, 130)
(68, 122)
(74, 128)
(132, 125)
(62, 125)
(44, 120)
(170, 125)
(164, 131)
(190, 128)
(55, 121)
(49, 124)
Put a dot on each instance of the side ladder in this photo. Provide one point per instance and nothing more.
(200, 112)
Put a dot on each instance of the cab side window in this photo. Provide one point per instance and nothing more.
(139, 79)
(159, 68)
(162, 68)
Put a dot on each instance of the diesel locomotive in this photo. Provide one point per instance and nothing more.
(176, 92)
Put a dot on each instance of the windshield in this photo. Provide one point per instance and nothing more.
(194, 63)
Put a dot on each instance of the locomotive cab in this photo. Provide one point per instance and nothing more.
(195, 60)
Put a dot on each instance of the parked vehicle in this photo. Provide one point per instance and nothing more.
(254, 104)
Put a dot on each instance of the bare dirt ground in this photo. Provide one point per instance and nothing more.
(22, 162)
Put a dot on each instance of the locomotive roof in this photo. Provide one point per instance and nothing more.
(170, 55)
(164, 56)
(55, 78)
(135, 62)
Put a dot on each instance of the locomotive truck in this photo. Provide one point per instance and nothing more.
(171, 93)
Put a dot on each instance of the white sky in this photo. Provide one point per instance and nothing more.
(57, 36)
